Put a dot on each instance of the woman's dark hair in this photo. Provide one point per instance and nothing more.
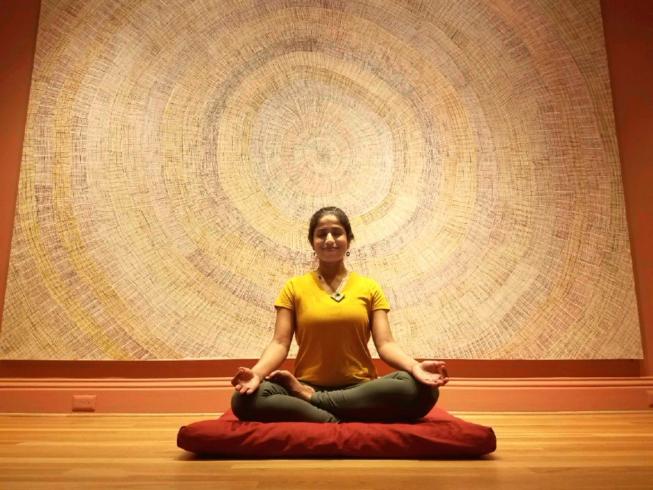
(338, 213)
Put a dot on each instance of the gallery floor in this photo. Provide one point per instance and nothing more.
(563, 450)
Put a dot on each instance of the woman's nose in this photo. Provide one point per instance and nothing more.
(329, 238)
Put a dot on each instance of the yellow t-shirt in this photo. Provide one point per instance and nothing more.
(332, 336)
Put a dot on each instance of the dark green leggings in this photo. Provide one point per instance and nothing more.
(395, 397)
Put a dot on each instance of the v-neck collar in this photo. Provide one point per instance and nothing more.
(344, 284)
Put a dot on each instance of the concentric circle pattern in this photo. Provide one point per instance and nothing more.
(175, 151)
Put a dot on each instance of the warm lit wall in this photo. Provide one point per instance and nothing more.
(18, 27)
(629, 40)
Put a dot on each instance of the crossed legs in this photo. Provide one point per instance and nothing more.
(395, 397)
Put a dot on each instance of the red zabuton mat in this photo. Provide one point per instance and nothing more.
(438, 435)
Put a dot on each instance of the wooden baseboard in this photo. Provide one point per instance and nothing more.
(549, 394)
(207, 395)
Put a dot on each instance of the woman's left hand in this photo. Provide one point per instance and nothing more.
(433, 373)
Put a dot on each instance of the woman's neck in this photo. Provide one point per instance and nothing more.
(331, 270)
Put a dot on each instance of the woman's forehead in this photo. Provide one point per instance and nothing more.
(329, 221)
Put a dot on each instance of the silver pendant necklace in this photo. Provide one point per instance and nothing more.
(337, 295)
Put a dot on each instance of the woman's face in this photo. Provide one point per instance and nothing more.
(330, 239)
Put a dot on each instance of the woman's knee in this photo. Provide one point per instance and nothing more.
(428, 398)
(241, 405)
(423, 397)
(248, 407)
(411, 387)
(244, 406)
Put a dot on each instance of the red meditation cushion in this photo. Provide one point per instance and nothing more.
(438, 435)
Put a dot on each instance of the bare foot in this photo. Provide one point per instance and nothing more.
(292, 384)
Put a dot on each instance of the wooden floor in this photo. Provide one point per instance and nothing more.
(598, 450)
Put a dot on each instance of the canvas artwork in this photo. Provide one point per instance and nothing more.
(174, 153)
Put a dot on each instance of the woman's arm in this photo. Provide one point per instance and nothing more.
(386, 345)
(428, 372)
(247, 380)
(277, 351)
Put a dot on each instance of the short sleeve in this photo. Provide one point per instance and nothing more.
(379, 301)
(286, 298)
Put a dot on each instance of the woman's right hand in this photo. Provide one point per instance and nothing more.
(246, 381)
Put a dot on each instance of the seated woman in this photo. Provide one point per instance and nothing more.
(333, 312)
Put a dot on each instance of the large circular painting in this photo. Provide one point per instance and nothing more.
(175, 151)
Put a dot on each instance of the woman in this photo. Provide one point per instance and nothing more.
(333, 312)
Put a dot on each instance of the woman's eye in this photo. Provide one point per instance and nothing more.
(334, 233)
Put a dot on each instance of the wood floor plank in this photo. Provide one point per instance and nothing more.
(586, 450)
